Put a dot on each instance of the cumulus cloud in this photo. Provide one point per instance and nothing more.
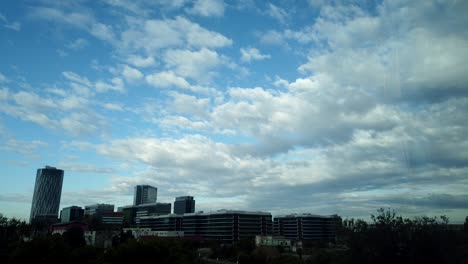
(207, 8)
(198, 65)
(152, 35)
(131, 74)
(250, 54)
(69, 114)
(29, 149)
(113, 107)
(167, 79)
(116, 84)
(141, 62)
(76, 18)
(377, 112)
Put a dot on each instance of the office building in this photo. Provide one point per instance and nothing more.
(184, 204)
(72, 213)
(307, 227)
(142, 233)
(132, 212)
(153, 209)
(161, 222)
(227, 226)
(112, 218)
(47, 193)
(145, 194)
(98, 209)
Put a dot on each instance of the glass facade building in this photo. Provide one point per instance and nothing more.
(98, 209)
(145, 194)
(72, 213)
(47, 193)
(226, 226)
(307, 227)
(184, 204)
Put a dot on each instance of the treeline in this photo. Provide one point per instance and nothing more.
(390, 238)
(387, 238)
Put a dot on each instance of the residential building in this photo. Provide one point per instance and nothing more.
(307, 227)
(46, 197)
(72, 213)
(184, 204)
(145, 194)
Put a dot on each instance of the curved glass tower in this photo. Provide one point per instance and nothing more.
(46, 197)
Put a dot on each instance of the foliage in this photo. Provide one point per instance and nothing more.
(390, 238)
(387, 238)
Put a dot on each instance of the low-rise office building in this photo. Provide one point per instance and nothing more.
(160, 222)
(132, 212)
(307, 227)
(227, 226)
(98, 209)
(138, 233)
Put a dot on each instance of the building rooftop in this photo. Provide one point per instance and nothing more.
(305, 215)
(225, 211)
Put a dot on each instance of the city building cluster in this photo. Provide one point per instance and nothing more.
(148, 217)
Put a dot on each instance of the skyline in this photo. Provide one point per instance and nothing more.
(281, 106)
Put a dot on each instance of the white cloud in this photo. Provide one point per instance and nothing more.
(250, 54)
(56, 91)
(78, 44)
(197, 65)
(16, 26)
(141, 62)
(272, 37)
(82, 123)
(86, 168)
(188, 104)
(102, 32)
(76, 18)
(167, 79)
(28, 149)
(207, 8)
(131, 74)
(76, 78)
(113, 107)
(152, 35)
(116, 84)
(74, 102)
(277, 13)
(3, 79)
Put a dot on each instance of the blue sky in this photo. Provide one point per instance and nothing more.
(282, 106)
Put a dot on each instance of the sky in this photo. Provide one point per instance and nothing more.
(324, 107)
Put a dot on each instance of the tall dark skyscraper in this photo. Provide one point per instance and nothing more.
(145, 194)
(184, 204)
(47, 193)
